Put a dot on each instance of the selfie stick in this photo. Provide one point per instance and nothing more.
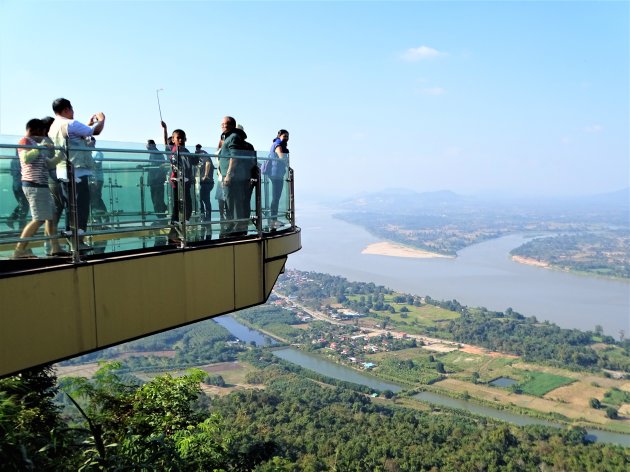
(157, 94)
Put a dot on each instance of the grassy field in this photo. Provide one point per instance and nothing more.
(488, 367)
(616, 397)
(540, 383)
(417, 316)
(233, 373)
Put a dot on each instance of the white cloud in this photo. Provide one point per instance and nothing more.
(420, 53)
(596, 128)
(433, 91)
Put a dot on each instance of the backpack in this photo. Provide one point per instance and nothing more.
(248, 165)
(267, 166)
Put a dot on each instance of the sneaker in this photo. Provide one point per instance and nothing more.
(69, 232)
(85, 247)
(23, 254)
(82, 247)
(59, 253)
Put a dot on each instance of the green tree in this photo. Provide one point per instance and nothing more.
(612, 413)
(595, 403)
(32, 434)
(388, 394)
(156, 425)
(215, 380)
(203, 446)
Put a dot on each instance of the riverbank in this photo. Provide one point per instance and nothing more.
(546, 265)
(390, 249)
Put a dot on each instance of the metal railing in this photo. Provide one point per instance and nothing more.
(138, 199)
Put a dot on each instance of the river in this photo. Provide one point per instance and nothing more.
(481, 275)
(340, 372)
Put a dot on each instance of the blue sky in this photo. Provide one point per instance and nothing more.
(526, 98)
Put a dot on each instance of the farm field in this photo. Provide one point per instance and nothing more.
(540, 383)
(234, 374)
(543, 389)
(82, 370)
(500, 396)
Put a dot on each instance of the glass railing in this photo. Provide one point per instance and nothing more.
(120, 197)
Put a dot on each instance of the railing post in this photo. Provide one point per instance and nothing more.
(265, 184)
(181, 197)
(73, 206)
(291, 212)
(257, 188)
(143, 213)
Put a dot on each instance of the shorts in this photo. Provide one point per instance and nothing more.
(40, 201)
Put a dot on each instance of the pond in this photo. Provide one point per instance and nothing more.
(503, 382)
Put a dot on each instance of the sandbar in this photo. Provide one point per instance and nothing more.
(386, 248)
(529, 261)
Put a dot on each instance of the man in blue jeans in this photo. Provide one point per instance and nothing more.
(66, 128)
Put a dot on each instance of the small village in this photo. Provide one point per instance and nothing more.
(347, 336)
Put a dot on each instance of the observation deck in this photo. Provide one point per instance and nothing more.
(132, 272)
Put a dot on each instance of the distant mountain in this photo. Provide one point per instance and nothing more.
(404, 200)
(613, 206)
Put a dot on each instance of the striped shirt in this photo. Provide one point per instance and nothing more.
(36, 171)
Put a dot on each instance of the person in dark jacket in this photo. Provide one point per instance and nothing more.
(156, 177)
(182, 164)
(206, 183)
(235, 164)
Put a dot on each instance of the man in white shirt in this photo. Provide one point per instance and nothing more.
(65, 127)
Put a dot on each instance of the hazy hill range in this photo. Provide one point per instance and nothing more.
(613, 207)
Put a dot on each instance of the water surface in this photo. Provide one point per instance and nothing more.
(242, 332)
(481, 275)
